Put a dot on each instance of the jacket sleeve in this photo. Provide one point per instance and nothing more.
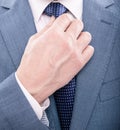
(15, 111)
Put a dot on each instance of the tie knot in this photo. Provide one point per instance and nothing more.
(55, 9)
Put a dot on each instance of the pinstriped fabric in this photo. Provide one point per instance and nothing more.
(65, 96)
(44, 119)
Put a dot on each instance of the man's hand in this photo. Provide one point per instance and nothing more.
(54, 56)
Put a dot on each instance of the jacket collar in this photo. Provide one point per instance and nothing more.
(100, 20)
(10, 3)
(16, 34)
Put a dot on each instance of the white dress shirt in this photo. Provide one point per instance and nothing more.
(37, 7)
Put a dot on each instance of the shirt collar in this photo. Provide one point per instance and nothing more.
(38, 6)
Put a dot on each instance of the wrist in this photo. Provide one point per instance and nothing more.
(40, 94)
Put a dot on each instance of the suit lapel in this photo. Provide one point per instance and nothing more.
(16, 27)
(101, 23)
(52, 114)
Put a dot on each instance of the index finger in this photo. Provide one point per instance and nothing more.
(62, 22)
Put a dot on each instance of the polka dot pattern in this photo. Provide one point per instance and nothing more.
(64, 101)
(65, 96)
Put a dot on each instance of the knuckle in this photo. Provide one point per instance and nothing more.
(68, 43)
(77, 24)
(81, 24)
(77, 58)
(85, 37)
(91, 49)
(63, 41)
(80, 60)
(70, 37)
(88, 36)
(65, 17)
(67, 46)
(62, 21)
(55, 34)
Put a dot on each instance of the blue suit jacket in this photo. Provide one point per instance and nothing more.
(97, 100)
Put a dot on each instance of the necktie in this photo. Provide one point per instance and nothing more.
(64, 97)
(55, 9)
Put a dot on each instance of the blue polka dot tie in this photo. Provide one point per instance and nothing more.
(65, 96)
